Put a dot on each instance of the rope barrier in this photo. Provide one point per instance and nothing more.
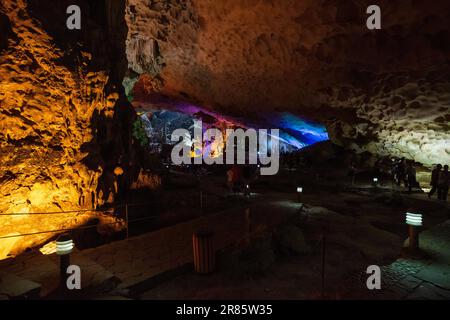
(49, 213)
(80, 210)
(78, 228)
(85, 211)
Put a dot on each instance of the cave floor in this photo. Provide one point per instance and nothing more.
(362, 224)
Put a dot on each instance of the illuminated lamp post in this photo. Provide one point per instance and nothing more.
(375, 182)
(414, 221)
(247, 190)
(64, 246)
(299, 193)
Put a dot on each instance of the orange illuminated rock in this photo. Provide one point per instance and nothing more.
(59, 105)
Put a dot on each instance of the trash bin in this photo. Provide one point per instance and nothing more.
(204, 253)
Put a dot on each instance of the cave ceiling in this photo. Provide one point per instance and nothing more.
(383, 91)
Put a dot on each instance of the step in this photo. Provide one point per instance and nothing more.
(13, 287)
(35, 267)
(44, 271)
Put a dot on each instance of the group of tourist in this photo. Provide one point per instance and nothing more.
(440, 181)
(404, 172)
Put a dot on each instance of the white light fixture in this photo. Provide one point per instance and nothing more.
(414, 219)
(64, 245)
(375, 180)
(300, 189)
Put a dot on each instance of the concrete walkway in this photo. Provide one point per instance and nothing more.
(423, 277)
(426, 278)
(140, 258)
(129, 263)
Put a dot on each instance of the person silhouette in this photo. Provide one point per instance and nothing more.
(443, 185)
(434, 180)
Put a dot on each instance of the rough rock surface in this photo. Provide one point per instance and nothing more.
(385, 91)
(64, 120)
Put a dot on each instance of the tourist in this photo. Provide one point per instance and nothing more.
(394, 170)
(434, 180)
(120, 187)
(401, 172)
(230, 183)
(246, 177)
(443, 185)
(352, 169)
(236, 178)
(411, 175)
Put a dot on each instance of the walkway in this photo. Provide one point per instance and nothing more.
(131, 262)
(424, 277)
(427, 278)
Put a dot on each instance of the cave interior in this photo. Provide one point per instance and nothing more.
(362, 121)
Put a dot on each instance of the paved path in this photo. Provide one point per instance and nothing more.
(37, 275)
(133, 261)
(424, 278)
(145, 256)
(427, 278)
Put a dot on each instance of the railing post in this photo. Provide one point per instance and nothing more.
(127, 220)
(201, 201)
(248, 225)
(323, 265)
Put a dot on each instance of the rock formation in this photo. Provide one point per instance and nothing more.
(385, 91)
(64, 118)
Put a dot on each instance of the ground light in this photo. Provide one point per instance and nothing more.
(64, 246)
(375, 181)
(414, 221)
(247, 190)
(299, 193)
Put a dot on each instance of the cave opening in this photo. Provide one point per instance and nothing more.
(295, 132)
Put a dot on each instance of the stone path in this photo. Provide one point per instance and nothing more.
(131, 262)
(140, 258)
(425, 278)
(428, 278)
(38, 275)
